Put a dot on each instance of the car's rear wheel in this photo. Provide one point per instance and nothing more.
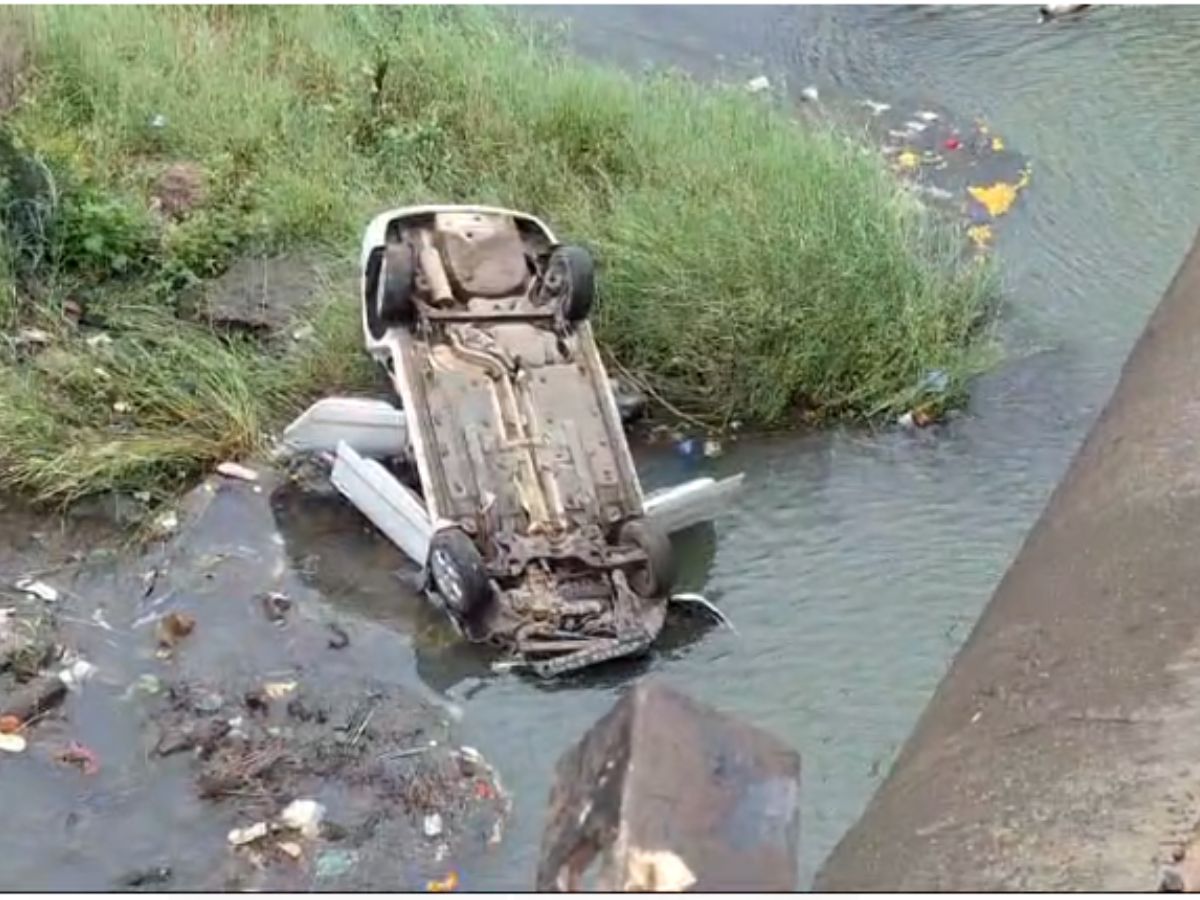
(656, 576)
(396, 302)
(569, 282)
(459, 576)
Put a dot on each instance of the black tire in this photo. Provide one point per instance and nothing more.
(396, 299)
(655, 577)
(370, 298)
(569, 281)
(457, 572)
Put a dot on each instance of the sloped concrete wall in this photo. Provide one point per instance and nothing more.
(1062, 749)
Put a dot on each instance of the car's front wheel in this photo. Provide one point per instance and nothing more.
(460, 578)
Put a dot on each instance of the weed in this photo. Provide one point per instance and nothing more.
(750, 267)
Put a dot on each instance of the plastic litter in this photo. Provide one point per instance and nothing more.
(980, 235)
(291, 848)
(657, 870)
(145, 684)
(9, 724)
(952, 143)
(332, 863)
(237, 471)
(174, 627)
(908, 160)
(712, 448)
(166, 524)
(33, 336)
(239, 837)
(277, 690)
(915, 127)
(997, 144)
(443, 885)
(12, 743)
(304, 816)
(78, 672)
(158, 121)
(876, 108)
(759, 84)
(152, 877)
(80, 755)
(120, 407)
(38, 589)
(432, 825)
(996, 198)
(811, 94)
(926, 115)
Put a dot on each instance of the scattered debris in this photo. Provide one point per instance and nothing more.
(32, 700)
(758, 85)
(656, 870)
(1051, 11)
(38, 589)
(174, 627)
(332, 863)
(155, 876)
(432, 825)
(33, 337)
(145, 684)
(276, 607)
(277, 690)
(12, 743)
(239, 837)
(166, 524)
(980, 236)
(84, 757)
(444, 885)
(75, 674)
(237, 471)
(303, 816)
(339, 639)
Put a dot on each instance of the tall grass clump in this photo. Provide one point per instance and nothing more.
(751, 267)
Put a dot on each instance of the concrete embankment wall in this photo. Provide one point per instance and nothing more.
(1062, 749)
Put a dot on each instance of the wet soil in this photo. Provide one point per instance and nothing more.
(223, 690)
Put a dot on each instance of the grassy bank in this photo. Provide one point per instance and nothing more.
(751, 268)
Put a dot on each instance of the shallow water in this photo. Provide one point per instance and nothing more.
(854, 564)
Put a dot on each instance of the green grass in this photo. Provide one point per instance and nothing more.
(751, 268)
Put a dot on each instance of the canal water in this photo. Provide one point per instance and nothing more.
(854, 563)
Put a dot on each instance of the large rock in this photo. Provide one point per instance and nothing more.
(673, 795)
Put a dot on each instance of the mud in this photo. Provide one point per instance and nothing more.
(256, 694)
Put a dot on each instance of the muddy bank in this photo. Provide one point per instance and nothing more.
(1060, 751)
(219, 689)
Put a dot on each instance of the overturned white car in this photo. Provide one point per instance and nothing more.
(526, 514)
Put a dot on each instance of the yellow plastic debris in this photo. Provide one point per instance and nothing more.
(996, 198)
(997, 144)
(980, 235)
(908, 160)
(444, 886)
